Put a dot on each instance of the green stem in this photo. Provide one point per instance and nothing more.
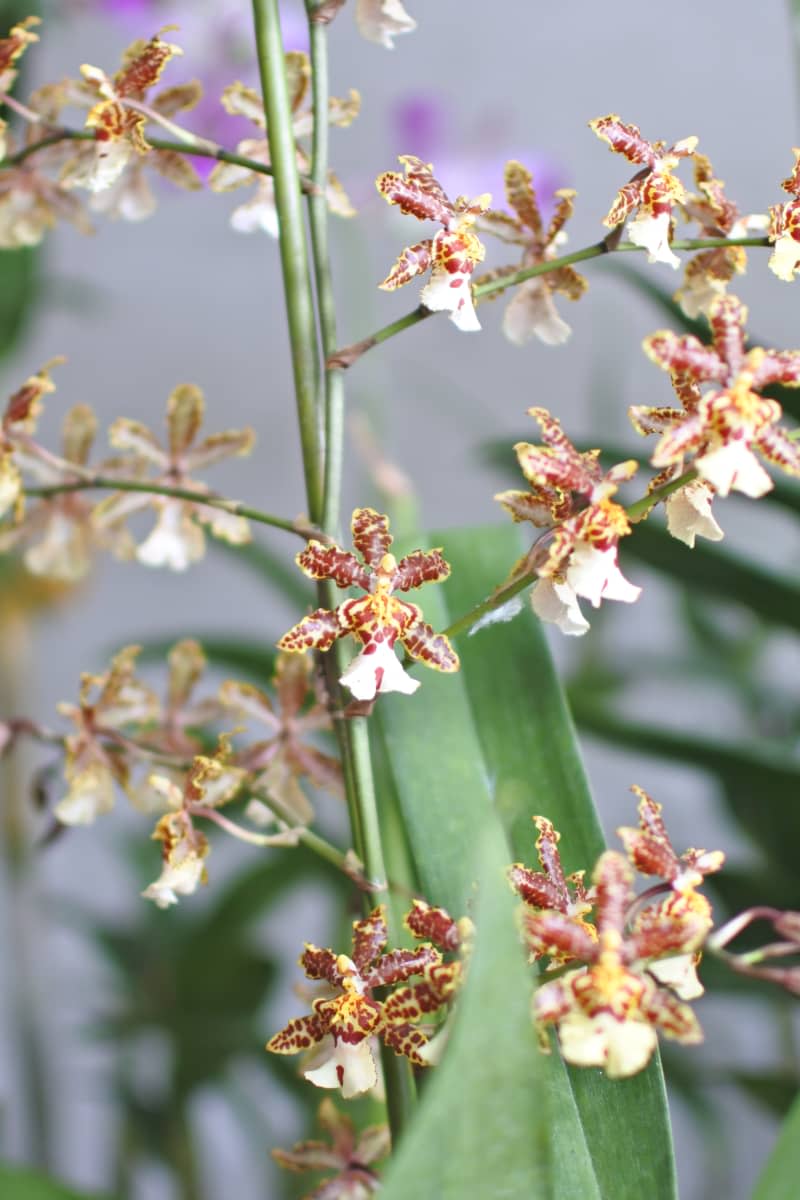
(635, 512)
(318, 221)
(501, 596)
(349, 354)
(301, 528)
(292, 240)
(203, 149)
(400, 1086)
(356, 757)
(368, 808)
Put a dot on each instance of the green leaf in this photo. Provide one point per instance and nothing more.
(19, 1183)
(458, 1147)
(778, 1180)
(18, 291)
(498, 737)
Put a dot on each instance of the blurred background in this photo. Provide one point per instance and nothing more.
(130, 1035)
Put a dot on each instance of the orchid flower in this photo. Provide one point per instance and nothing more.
(343, 1021)
(177, 539)
(579, 557)
(260, 212)
(708, 273)
(286, 756)
(607, 1013)
(119, 111)
(532, 312)
(97, 758)
(451, 254)
(784, 227)
(378, 619)
(720, 430)
(653, 191)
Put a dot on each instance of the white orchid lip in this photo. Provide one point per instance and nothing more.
(652, 234)
(734, 467)
(594, 573)
(377, 669)
(350, 1067)
(451, 293)
(558, 604)
(689, 514)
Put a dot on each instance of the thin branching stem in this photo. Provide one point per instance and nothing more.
(353, 734)
(635, 512)
(302, 528)
(333, 404)
(347, 355)
(202, 148)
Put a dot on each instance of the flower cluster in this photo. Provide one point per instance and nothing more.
(241, 101)
(155, 752)
(532, 312)
(349, 1155)
(378, 619)
(717, 432)
(337, 1036)
(177, 539)
(628, 974)
(109, 158)
(65, 528)
(570, 496)
(709, 272)
(451, 255)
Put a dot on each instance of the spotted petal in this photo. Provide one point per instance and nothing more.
(624, 139)
(432, 648)
(371, 537)
(686, 355)
(300, 1034)
(320, 561)
(318, 631)
(370, 936)
(414, 260)
(417, 192)
(421, 566)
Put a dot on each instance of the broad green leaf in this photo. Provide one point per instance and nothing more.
(498, 736)
(20, 1183)
(458, 1147)
(779, 1179)
(528, 742)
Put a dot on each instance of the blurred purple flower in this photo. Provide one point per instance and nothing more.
(422, 124)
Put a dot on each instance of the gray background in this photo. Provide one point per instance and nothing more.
(138, 309)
